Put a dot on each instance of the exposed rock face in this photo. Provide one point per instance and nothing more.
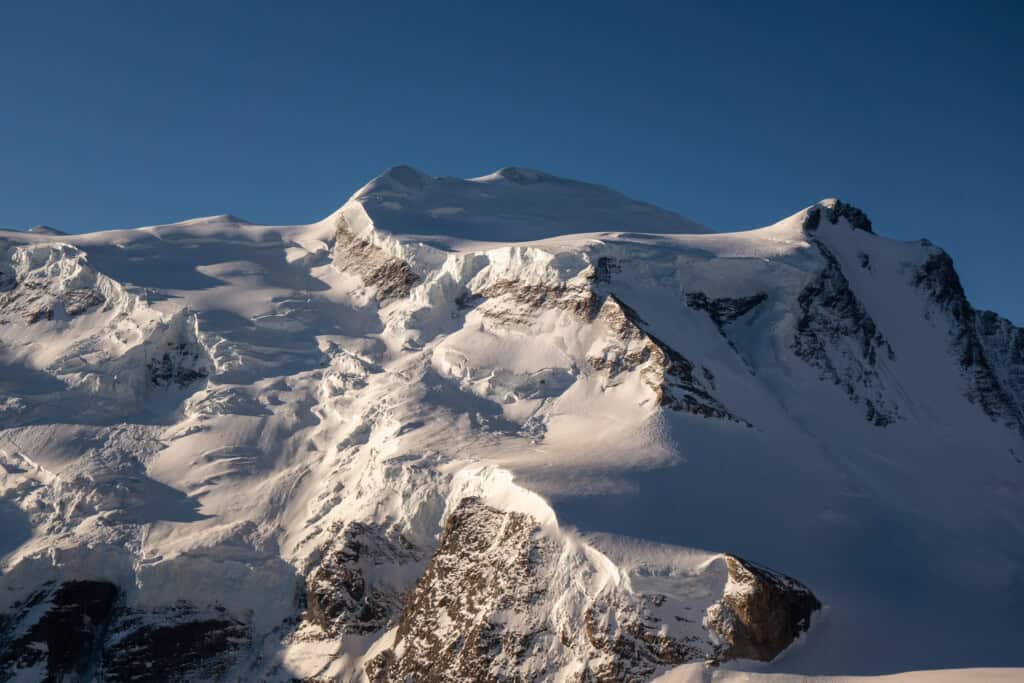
(581, 296)
(836, 209)
(605, 268)
(668, 373)
(499, 600)
(575, 296)
(483, 611)
(173, 353)
(179, 366)
(79, 631)
(177, 644)
(725, 310)
(391, 277)
(58, 632)
(837, 335)
(325, 431)
(470, 616)
(629, 643)
(989, 348)
(1004, 346)
(677, 383)
(47, 281)
(346, 593)
(761, 614)
(833, 210)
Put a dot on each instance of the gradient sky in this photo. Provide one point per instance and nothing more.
(117, 114)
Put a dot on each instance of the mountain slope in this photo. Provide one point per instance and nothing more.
(395, 443)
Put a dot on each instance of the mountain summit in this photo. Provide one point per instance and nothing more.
(514, 427)
(509, 205)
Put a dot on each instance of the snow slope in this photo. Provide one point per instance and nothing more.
(508, 426)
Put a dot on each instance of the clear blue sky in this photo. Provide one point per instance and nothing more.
(118, 114)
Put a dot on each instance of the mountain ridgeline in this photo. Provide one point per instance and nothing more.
(509, 428)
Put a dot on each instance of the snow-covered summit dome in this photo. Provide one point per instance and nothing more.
(509, 205)
(45, 230)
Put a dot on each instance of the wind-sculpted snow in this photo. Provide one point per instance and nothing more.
(438, 436)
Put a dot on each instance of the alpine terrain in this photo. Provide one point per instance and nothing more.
(511, 428)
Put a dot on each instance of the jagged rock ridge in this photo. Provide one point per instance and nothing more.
(976, 336)
(837, 335)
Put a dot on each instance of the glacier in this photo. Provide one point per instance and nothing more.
(515, 427)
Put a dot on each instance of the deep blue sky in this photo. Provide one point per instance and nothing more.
(736, 114)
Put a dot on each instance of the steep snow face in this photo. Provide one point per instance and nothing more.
(438, 435)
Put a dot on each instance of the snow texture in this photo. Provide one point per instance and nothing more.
(509, 428)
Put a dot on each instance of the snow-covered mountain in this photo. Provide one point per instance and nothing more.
(509, 428)
(45, 230)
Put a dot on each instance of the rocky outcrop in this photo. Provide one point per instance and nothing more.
(506, 599)
(675, 380)
(988, 348)
(513, 303)
(178, 366)
(180, 643)
(832, 210)
(724, 310)
(471, 615)
(392, 278)
(1003, 343)
(630, 644)
(483, 611)
(346, 593)
(604, 268)
(836, 335)
(35, 303)
(79, 630)
(173, 354)
(58, 632)
(761, 613)
(672, 377)
(47, 282)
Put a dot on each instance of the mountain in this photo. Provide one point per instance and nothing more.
(45, 230)
(509, 428)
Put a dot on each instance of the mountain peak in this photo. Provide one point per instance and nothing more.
(296, 452)
(833, 209)
(512, 204)
(45, 230)
(401, 179)
(521, 176)
(215, 219)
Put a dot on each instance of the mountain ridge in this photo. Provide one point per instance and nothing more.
(301, 442)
